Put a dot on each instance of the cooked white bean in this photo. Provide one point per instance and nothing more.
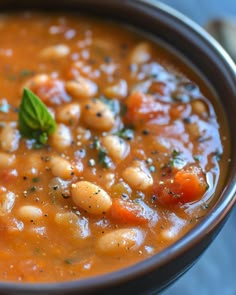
(68, 114)
(173, 230)
(7, 202)
(120, 240)
(14, 226)
(61, 138)
(60, 167)
(82, 134)
(116, 147)
(193, 129)
(37, 80)
(141, 53)
(6, 160)
(9, 137)
(81, 88)
(119, 90)
(33, 164)
(109, 179)
(90, 197)
(199, 108)
(77, 226)
(55, 51)
(30, 212)
(98, 115)
(138, 176)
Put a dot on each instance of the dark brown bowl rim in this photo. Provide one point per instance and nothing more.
(216, 215)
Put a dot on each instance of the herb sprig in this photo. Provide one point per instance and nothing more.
(35, 121)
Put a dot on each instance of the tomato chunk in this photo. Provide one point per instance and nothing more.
(187, 185)
(51, 92)
(141, 106)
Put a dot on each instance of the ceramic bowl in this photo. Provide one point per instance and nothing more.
(203, 53)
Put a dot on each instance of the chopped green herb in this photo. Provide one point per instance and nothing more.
(176, 160)
(33, 189)
(35, 121)
(103, 158)
(37, 251)
(123, 109)
(96, 143)
(36, 179)
(154, 75)
(126, 133)
(102, 153)
(197, 157)
(175, 153)
(180, 97)
(68, 261)
(26, 73)
(187, 120)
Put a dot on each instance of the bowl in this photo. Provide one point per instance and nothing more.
(207, 58)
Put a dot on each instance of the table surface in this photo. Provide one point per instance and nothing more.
(215, 272)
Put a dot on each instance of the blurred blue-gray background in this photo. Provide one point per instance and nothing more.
(215, 272)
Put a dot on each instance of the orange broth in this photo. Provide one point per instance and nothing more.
(133, 164)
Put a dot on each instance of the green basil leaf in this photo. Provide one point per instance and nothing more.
(35, 121)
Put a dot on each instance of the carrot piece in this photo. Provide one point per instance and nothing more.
(128, 212)
(190, 184)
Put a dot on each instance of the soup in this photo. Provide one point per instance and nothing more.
(110, 147)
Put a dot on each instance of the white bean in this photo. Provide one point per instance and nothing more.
(6, 160)
(98, 115)
(138, 176)
(91, 197)
(29, 212)
(60, 167)
(81, 88)
(141, 53)
(36, 81)
(82, 134)
(116, 147)
(193, 129)
(120, 240)
(77, 226)
(68, 114)
(199, 108)
(7, 202)
(119, 90)
(61, 138)
(55, 52)
(172, 231)
(9, 138)
(109, 179)
(33, 164)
